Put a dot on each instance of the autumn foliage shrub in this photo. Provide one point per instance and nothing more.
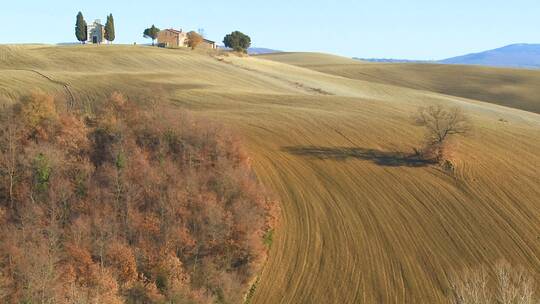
(128, 205)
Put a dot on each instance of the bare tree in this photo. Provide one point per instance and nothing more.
(440, 123)
(471, 287)
(9, 137)
(510, 285)
(515, 284)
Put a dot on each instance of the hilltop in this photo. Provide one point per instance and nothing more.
(322, 132)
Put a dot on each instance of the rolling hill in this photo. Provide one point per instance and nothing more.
(508, 87)
(357, 226)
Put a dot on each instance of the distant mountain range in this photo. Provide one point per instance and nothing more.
(255, 50)
(515, 55)
(261, 51)
(390, 60)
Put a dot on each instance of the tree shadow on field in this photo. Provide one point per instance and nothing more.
(381, 158)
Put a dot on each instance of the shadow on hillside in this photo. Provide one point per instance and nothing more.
(382, 158)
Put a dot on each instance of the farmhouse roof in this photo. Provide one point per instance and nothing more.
(174, 31)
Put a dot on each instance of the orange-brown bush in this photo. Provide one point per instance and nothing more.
(126, 206)
(194, 39)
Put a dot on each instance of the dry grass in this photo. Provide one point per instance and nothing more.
(357, 227)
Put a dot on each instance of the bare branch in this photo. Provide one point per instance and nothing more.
(440, 123)
(509, 285)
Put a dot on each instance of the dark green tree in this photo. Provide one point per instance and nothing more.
(237, 41)
(109, 28)
(81, 29)
(151, 33)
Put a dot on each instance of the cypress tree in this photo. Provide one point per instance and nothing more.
(81, 28)
(109, 28)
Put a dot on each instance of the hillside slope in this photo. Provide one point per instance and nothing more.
(508, 87)
(358, 226)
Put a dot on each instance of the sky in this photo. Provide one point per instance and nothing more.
(405, 29)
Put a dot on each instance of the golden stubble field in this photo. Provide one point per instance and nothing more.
(358, 226)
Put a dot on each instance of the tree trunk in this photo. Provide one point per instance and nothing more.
(12, 165)
(11, 181)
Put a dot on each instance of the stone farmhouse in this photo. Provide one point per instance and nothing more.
(96, 32)
(178, 38)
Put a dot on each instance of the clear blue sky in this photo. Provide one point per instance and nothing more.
(414, 29)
